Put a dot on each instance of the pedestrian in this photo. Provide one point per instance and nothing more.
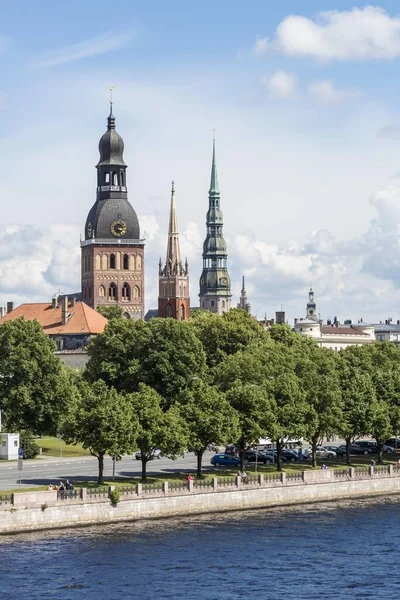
(245, 479)
(68, 488)
(50, 488)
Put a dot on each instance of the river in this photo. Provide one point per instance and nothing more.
(342, 551)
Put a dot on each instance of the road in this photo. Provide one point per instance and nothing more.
(43, 471)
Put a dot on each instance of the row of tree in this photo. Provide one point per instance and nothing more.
(205, 382)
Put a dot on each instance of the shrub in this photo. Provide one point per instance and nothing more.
(114, 497)
(44, 506)
(27, 442)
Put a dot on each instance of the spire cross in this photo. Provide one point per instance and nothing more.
(214, 130)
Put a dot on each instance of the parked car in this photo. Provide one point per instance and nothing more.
(251, 456)
(289, 455)
(393, 443)
(369, 445)
(357, 449)
(321, 452)
(338, 450)
(155, 454)
(224, 460)
(388, 449)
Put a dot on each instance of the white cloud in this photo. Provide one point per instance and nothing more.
(280, 84)
(101, 44)
(357, 34)
(325, 92)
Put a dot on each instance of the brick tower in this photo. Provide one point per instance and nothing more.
(112, 251)
(173, 279)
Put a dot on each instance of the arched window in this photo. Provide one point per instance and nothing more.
(112, 261)
(126, 292)
(106, 178)
(122, 175)
(126, 262)
(104, 262)
(212, 303)
(136, 291)
(139, 263)
(131, 262)
(102, 291)
(182, 312)
(112, 292)
(223, 303)
(114, 179)
(97, 262)
(168, 310)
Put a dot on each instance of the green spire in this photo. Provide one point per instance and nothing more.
(214, 189)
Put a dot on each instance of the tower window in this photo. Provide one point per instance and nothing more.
(102, 291)
(106, 178)
(223, 303)
(126, 262)
(212, 303)
(136, 292)
(114, 179)
(112, 261)
(112, 292)
(126, 292)
(122, 178)
(182, 312)
(168, 310)
(138, 263)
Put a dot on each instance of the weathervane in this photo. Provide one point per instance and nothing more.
(214, 130)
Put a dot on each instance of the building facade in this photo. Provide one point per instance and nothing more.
(215, 283)
(173, 278)
(332, 335)
(112, 252)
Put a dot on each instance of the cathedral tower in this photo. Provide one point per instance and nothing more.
(243, 302)
(215, 284)
(173, 279)
(112, 251)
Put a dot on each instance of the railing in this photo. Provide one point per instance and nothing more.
(151, 488)
(68, 494)
(272, 478)
(361, 472)
(179, 486)
(342, 474)
(203, 484)
(293, 477)
(226, 481)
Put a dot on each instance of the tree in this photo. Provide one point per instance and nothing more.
(210, 418)
(358, 396)
(34, 390)
(28, 444)
(315, 368)
(163, 353)
(156, 428)
(102, 420)
(226, 335)
(110, 312)
(255, 412)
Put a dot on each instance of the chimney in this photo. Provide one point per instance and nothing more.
(64, 310)
(295, 321)
(54, 301)
(73, 301)
(2, 311)
(10, 307)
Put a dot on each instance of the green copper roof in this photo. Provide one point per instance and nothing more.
(214, 189)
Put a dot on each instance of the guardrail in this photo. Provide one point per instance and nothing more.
(204, 486)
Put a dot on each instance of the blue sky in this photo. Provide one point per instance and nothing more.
(306, 107)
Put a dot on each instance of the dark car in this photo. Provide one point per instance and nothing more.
(357, 449)
(231, 450)
(372, 447)
(251, 456)
(393, 442)
(338, 450)
(289, 455)
(224, 460)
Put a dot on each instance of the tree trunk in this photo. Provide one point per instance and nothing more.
(144, 468)
(199, 455)
(380, 451)
(100, 458)
(279, 454)
(314, 444)
(348, 444)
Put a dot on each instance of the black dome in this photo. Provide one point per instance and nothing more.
(111, 145)
(106, 212)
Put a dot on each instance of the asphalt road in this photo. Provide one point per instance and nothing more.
(43, 471)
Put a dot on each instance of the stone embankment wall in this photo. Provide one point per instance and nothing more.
(42, 510)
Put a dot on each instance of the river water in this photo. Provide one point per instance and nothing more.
(337, 550)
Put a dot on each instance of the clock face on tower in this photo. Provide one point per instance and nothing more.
(118, 228)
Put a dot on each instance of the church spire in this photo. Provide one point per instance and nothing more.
(215, 284)
(173, 248)
(311, 307)
(173, 279)
(243, 302)
(214, 189)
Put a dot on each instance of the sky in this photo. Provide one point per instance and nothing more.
(304, 99)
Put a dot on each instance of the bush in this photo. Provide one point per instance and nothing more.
(114, 497)
(28, 444)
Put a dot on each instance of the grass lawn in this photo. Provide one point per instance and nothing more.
(53, 446)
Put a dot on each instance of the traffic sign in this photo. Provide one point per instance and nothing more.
(20, 453)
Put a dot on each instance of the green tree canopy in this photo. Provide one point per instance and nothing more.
(210, 418)
(102, 420)
(34, 385)
(163, 353)
(157, 428)
(110, 312)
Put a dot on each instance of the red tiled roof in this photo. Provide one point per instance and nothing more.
(83, 319)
